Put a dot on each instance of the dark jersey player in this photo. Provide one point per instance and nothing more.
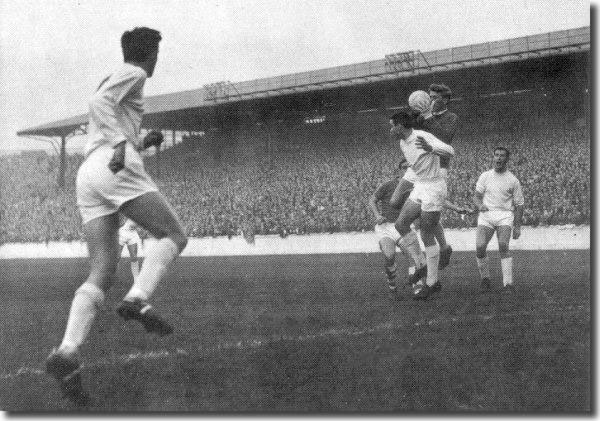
(385, 216)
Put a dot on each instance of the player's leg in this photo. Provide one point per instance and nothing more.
(152, 212)
(102, 240)
(429, 220)
(484, 235)
(504, 232)
(445, 248)
(134, 260)
(401, 193)
(387, 246)
(409, 242)
(413, 265)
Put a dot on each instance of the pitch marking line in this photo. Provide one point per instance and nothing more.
(258, 342)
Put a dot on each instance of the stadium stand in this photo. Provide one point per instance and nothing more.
(314, 178)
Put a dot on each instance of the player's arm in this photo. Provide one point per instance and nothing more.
(435, 146)
(104, 102)
(478, 195)
(519, 201)
(376, 197)
(103, 112)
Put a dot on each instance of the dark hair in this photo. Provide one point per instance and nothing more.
(443, 90)
(502, 148)
(139, 43)
(405, 118)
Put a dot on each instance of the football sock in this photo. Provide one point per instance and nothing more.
(135, 269)
(88, 298)
(507, 270)
(484, 269)
(160, 255)
(433, 259)
(390, 271)
(410, 243)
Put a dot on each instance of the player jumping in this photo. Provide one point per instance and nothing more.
(499, 198)
(422, 150)
(436, 119)
(385, 216)
(112, 179)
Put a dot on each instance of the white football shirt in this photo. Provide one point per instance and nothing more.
(501, 191)
(116, 109)
(424, 166)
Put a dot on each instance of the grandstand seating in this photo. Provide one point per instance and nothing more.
(315, 178)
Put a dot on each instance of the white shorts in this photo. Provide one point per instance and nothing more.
(431, 195)
(495, 218)
(387, 230)
(129, 238)
(100, 192)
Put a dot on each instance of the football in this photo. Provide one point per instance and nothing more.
(419, 101)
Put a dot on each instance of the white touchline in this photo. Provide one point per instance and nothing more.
(258, 342)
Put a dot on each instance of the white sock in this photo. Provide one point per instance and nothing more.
(507, 270)
(158, 259)
(135, 269)
(484, 269)
(88, 298)
(410, 243)
(433, 260)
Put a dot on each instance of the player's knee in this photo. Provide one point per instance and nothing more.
(503, 247)
(480, 250)
(402, 226)
(180, 240)
(95, 293)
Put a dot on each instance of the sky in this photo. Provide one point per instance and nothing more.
(55, 52)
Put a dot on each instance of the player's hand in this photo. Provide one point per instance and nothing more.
(423, 144)
(380, 220)
(117, 162)
(516, 233)
(153, 138)
(483, 208)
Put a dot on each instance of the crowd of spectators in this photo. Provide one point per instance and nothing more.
(317, 180)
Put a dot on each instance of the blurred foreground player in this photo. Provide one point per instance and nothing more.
(499, 198)
(112, 180)
(435, 118)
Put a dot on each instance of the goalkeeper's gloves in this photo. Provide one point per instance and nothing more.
(117, 162)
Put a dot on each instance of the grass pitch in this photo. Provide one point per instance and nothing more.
(310, 334)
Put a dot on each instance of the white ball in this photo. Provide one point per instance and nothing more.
(419, 101)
